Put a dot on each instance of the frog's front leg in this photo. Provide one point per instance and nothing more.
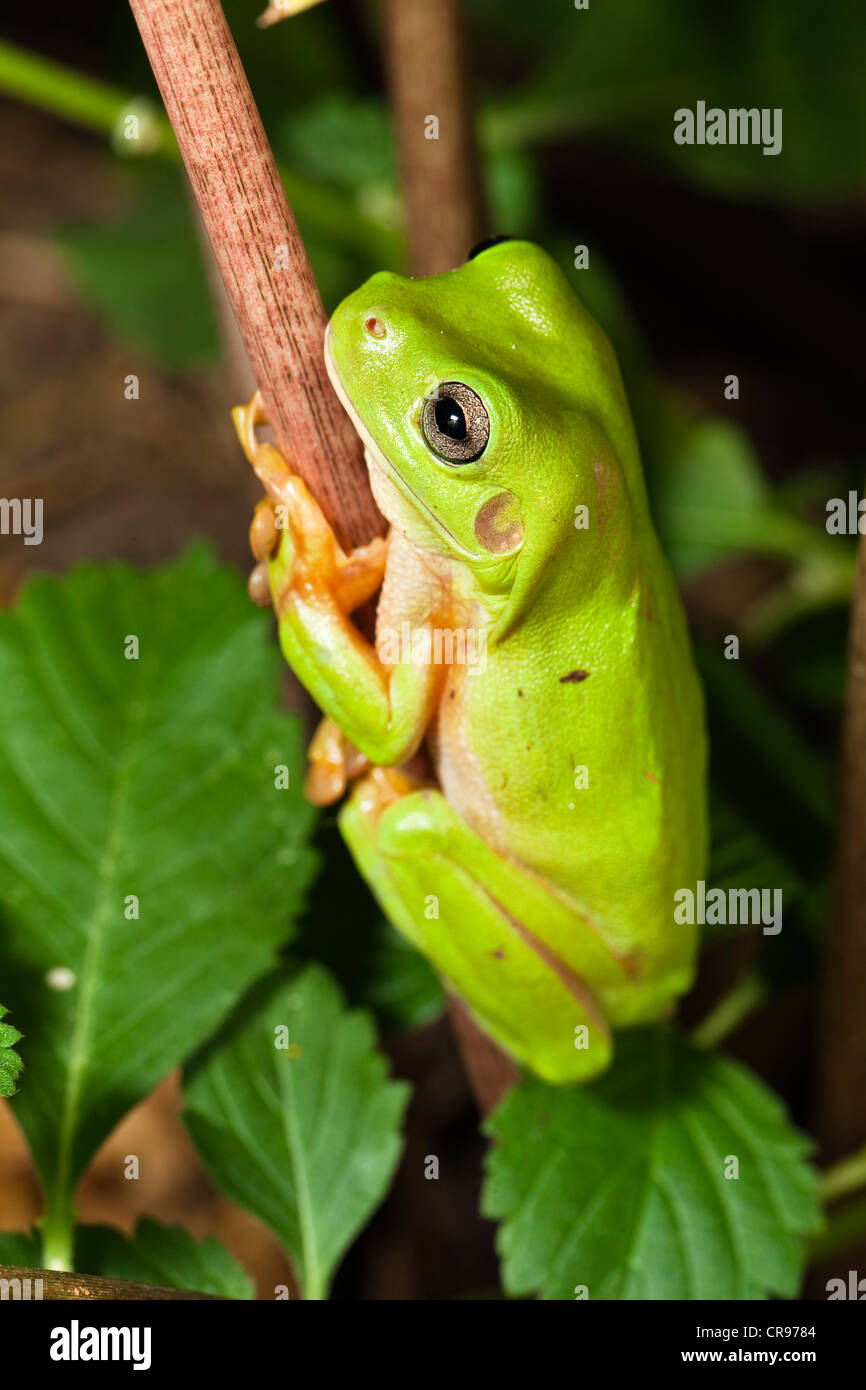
(494, 931)
(354, 578)
(382, 710)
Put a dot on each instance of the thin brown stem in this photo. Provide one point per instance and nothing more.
(440, 166)
(490, 1071)
(841, 1108)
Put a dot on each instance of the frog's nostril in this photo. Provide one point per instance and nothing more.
(375, 327)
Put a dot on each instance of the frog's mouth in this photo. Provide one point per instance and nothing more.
(384, 464)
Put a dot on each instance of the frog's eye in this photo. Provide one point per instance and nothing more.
(455, 423)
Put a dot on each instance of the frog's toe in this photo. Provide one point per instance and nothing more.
(333, 762)
(264, 535)
(259, 586)
(420, 822)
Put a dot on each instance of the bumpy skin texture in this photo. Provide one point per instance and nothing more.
(553, 909)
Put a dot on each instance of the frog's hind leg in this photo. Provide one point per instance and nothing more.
(476, 917)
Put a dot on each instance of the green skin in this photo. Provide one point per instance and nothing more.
(539, 881)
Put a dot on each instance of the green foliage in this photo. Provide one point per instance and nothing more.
(23, 1250)
(711, 497)
(375, 965)
(292, 63)
(743, 714)
(10, 1062)
(771, 810)
(318, 84)
(347, 143)
(144, 273)
(401, 988)
(741, 856)
(637, 64)
(165, 1256)
(140, 779)
(294, 1115)
(711, 501)
(338, 154)
(151, 869)
(626, 1186)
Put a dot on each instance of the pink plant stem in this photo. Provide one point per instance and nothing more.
(258, 250)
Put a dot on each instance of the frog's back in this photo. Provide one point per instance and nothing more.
(602, 788)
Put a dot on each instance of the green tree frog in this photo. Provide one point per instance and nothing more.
(529, 633)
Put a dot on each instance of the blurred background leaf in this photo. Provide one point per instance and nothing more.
(144, 273)
(637, 63)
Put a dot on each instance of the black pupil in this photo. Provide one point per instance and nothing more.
(450, 419)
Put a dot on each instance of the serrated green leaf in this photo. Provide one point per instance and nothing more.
(165, 1256)
(621, 1186)
(10, 1062)
(305, 1136)
(150, 778)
